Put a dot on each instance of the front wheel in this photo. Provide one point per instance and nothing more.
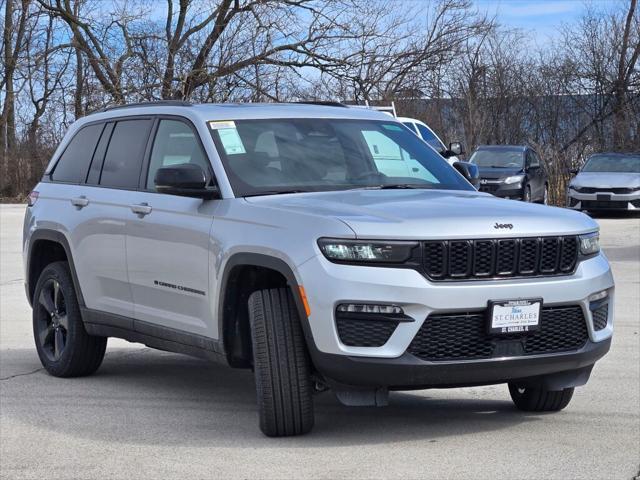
(545, 195)
(526, 197)
(281, 364)
(64, 346)
(538, 399)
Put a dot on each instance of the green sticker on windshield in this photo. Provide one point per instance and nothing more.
(395, 128)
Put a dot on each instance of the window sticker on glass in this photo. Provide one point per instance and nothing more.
(229, 137)
(395, 128)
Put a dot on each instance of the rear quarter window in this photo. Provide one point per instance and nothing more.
(74, 161)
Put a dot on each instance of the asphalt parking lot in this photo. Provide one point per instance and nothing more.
(149, 414)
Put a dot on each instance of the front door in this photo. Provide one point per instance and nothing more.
(168, 240)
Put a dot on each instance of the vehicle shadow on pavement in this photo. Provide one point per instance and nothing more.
(142, 396)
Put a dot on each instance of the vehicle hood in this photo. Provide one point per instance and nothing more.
(497, 173)
(427, 214)
(606, 180)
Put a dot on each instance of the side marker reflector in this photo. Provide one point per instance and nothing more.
(303, 296)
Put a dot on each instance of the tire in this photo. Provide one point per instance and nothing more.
(64, 346)
(527, 194)
(282, 367)
(539, 400)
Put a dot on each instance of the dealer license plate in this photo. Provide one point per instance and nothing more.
(514, 316)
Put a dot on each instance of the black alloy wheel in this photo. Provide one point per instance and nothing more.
(52, 322)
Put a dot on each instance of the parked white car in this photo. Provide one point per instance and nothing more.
(423, 131)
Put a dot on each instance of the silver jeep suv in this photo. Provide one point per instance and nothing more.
(324, 247)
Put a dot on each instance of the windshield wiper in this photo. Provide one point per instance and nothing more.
(274, 192)
(401, 186)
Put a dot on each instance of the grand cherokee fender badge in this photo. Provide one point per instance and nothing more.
(182, 288)
(503, 225)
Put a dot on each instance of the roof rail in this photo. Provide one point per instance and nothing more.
(154, 103)
(325, 103)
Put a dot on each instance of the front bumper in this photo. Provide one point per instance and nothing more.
(499, 189)
(328, 284)
(408, 372)
(603, 201)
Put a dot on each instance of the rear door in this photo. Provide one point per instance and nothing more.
(168, 247)
(102, 211)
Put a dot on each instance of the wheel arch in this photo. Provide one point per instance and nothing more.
(243, 274)
(45, 247)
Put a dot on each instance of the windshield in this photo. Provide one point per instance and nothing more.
(613, 163)
(498, 158)
(299, 155)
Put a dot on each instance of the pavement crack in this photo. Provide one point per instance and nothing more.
(20, 374)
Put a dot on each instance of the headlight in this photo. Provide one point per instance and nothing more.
(590, 243)
(359, 251)
(514, 179)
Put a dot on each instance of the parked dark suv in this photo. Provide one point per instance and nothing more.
(511, 171)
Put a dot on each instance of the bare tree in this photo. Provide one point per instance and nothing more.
(16, 15)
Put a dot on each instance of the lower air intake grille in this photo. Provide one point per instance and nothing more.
(365, 333)
(465, 336)
(603, 204)
(600, 317)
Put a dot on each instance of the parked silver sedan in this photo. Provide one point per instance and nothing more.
(607, 181)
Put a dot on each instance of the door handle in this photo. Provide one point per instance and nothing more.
(80, 202)
(141, 209)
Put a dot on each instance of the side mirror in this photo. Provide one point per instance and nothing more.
(456, 148)
(185, 180)
(574, 171)
(470, 172)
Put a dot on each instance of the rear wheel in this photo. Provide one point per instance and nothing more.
(538, 399)
(281, 364)
(64, 347)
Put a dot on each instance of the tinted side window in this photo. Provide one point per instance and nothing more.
(532, 159)
(73, 164)
(535, 159)
(175, 143)
(123, 159)
(96, 164)
(411, 126)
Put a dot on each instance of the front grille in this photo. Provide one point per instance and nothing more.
(600, 317)
(466, 337)
(364, 333)
(604, 204)
(619, 191)
(504, 258)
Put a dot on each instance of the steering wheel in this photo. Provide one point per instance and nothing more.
(512, 164)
